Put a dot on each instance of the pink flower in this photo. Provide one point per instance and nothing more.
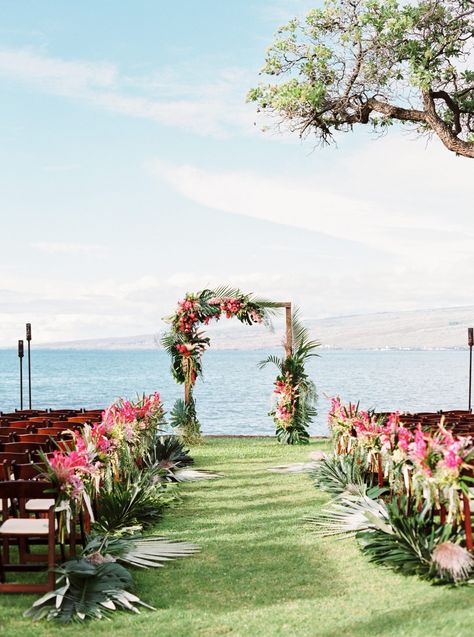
(392, 421)
(452, 460)
(419, 448)
(404, 438)
(67, 468)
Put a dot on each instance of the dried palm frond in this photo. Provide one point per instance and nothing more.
(189, 475)
(352, 512)
(452, 560)
(297, 467)
(142, 552)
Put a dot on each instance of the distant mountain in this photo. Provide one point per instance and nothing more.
(417, 329)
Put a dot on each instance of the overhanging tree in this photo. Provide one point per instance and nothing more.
(375, 62)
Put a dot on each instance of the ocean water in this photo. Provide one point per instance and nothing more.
(235, 396)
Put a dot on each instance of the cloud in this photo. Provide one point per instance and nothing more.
(281, 11)
(56, 74)
(369, 198)
(113, 306)
(215, 108)
(80, 249)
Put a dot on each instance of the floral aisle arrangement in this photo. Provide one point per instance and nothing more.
(102, 456)
(186, 342)
(121, 472)
(417, 517)
(432, 467)
(295, 393)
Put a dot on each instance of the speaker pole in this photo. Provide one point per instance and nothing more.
(20, 356)
(470, 342)
(28, 340)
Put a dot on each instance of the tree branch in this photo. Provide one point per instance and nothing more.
(444, 132)
(453, 107)
(397, 112)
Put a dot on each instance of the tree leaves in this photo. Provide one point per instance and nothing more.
(373, 62)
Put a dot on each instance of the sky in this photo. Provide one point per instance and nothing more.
(132, 170)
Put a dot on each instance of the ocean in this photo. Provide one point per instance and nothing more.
(234, 397)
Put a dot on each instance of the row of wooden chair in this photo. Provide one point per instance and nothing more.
(50, 416)
(19, 528)
(28, 517)
(29, 521)
(459, 422)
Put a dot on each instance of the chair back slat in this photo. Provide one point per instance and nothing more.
(16, 447)
(41, 438)
(28, 471)
(25, 489)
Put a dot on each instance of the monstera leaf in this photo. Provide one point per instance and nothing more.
(93, 588)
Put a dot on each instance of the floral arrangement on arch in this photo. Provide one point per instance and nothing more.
(294, 392)
(186, 343)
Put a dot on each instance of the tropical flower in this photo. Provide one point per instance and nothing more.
(452, 559)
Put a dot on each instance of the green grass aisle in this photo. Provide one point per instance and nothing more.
(261, 572)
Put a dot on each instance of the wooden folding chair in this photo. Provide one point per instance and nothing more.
(22, 530)
(23, 447)
(41, 438)
(5, 470)
(14, 457)
(32, 471)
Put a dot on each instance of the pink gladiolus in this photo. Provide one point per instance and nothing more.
(393, 420)
(452, 460)
(404, 438)
(67, 467)
(418, 448)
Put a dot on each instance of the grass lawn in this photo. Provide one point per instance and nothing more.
(261, 572)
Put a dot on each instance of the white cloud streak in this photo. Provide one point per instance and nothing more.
(214, 108)
(351, 201)
(79, 249)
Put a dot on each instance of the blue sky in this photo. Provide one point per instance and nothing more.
(132, 170)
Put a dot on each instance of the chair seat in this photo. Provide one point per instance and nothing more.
(24, 526)
(39, 504)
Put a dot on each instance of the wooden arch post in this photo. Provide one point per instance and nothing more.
(288, 328)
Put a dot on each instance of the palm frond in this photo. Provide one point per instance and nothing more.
(190, 475)
(352, 513)
(415, 545)
(138, 551)
(135, 501)
(303, 346)
(297, 467)
(184, 421)
(167, 452)
(271, 359)
(334, 473)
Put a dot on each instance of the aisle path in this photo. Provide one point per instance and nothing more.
(261, 572)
